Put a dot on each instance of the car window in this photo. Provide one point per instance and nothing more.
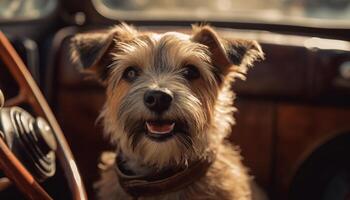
(315, 12)
(25, 9)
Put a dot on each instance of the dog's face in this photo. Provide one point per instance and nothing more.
(162, 89)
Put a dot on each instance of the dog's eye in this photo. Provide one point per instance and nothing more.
(130, 74)
(191, 72)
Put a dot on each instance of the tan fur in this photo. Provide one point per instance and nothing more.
(206, 104)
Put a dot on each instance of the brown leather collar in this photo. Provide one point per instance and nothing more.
(162, 182)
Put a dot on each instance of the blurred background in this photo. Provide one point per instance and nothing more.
(293, 119)
(276, 11)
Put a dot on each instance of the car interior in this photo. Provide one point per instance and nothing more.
(293, 120)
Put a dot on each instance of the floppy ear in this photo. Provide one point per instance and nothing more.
(228, 55)
(91, 51)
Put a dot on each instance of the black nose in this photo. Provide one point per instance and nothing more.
(157, 101)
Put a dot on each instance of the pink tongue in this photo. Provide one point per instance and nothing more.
(160, 128)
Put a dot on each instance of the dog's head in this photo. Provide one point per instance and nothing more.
(163, 90)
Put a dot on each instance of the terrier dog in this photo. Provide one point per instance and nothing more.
(168, 110)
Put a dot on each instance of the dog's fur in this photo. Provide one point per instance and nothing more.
(204, 105)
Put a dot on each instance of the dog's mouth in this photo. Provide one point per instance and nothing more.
(162, 129)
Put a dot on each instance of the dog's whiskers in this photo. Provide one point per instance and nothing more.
(185, 140)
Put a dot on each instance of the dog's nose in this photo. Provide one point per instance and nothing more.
(157, 100)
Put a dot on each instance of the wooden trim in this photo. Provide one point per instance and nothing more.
(30, 93)
(14, 169)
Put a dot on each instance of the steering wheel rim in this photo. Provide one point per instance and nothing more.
(30, 93)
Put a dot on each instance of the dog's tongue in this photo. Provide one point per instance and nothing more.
(160, 128)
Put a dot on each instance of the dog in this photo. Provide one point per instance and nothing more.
(169, 108)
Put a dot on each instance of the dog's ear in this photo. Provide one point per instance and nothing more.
(228, 55)
(92, 51)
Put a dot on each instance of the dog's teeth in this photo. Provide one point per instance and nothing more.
(160, 129)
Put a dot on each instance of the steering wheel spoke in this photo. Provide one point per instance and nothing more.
(17, 100)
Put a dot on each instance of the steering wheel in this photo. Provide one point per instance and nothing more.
(30, 94)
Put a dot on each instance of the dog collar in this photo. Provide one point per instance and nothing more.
(159, 183)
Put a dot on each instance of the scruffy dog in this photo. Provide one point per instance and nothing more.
(169, 108)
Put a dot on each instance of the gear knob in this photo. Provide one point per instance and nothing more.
(2, 99)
